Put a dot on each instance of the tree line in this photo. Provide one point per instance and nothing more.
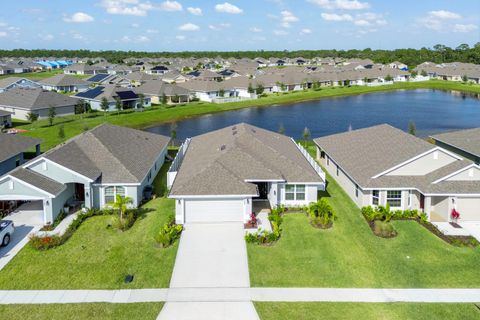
(412, 57)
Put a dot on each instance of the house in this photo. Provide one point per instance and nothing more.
(64, 83)
(383, 165)
(16, 82)
(156, 89)
(205, 75)
(398, 65)
(464, 142)
(84, 68)
(13, 149)
(5, 119)
(21, 101)
(222, 175)
(174, 77)
(157, 70)
(89, 170)
(128, 98)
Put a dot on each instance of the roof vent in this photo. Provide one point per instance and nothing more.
(223, 147)
(234, 128)
(234, 133)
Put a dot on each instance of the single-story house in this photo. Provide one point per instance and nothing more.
(16, 82)
(156, 89)
(463, 142)
(89, 170)
(128, 97)
(222, 175)
(5, 119)
(383, 165)
(21, 101)
(12, 150)
(65, 83)
(84, 68)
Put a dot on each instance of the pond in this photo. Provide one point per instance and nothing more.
(433, 111)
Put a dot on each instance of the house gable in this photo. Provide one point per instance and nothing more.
(56, 172)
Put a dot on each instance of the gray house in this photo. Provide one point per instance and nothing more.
(128, 98)
(383, 165)
(89, 170)
(5, 119)
(65, 83)
(464, 142)
(21, 101)
(12, 150)
(16, 82)
(156, 89)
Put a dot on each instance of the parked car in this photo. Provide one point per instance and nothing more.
(6, 231)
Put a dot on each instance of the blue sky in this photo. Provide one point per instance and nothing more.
(157, 25)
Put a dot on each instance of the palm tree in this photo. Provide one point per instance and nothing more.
(120, 205)
(321, 212)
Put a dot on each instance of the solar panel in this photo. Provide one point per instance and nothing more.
(126, 95)
(92, 93)
(98, 77)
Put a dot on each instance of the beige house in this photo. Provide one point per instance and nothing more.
(383, 165)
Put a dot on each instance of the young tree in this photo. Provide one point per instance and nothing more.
(104, 105)
(424, 73)
(118, 105)
(80, 107)
(141, 100)
(173, 132)
(260, 89)
(164, 98)
(414, 73)
(120, 205)
(465, 78)
(306, 134)
(51, 115)
(221, 93)
(412, 128)
(281, 129)
(388, 77)
(32, 117)
(250, 88)
(61, 132)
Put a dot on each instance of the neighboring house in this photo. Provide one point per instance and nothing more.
(21, 101)
(206, 75)
(89, 170)
(398, 65)
(128, 97)
(157, 70)
(16, 82)
(83, 68)
(65, 83)
(5, 119)
(217, 176)
(156, 89)
(464, 142)
(12, 150)
(383, 165)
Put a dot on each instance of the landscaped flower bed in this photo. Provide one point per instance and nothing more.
(268, 238)
(169, 233)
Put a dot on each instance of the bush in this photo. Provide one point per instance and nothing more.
(384, 229)
(265, 237)
(168, 234)
(321, 214)
(369, 213)
(45, 243)
(127, 222)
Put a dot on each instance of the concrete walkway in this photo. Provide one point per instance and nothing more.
(210, 278)
(239, 299)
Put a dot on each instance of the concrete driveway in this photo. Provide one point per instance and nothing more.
(211, 255)
(473, 228)
(27, 218)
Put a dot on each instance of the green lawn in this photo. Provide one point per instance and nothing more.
(81, 311)
(35, 76)
(349, 255)
(76, 124)
(356, 311)
(97, 257)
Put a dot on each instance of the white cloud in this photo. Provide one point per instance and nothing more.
(78, 36)
(47, 37)
(152, 31)
(3, 34)
(255, 29)
(228, 8)
(280, 32)
(464, 27)
(180, 37)
(362, 23)
(305, 31)
(142, 39)
(336, 17)
(341, 4)
(127, 7)
(135, 25)
(195, 11)
(444, 14)
(171, 6)
(287, 18)
(78, 17)
(219, 27)
(188, 27)
(138, 39)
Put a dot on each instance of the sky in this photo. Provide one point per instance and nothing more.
(185, 25)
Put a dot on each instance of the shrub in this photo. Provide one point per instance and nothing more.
(45, 243)
(321, 213)
(265, 237)
(384, 229)
(369, 213)
(168, 234)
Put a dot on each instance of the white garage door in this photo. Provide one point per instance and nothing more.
(469, 209)
(213, 211)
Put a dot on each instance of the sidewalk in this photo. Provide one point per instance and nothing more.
(239, 296)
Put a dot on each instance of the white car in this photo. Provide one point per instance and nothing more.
(6, 230)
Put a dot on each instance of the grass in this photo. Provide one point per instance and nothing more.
(35, 76)
(83, 311)
(160, 114)
(350, 255)
(355, 311)
(97, 257)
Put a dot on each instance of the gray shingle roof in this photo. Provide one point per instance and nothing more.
(158, 88)
(5, 113)
(37, 180)
(12, 145)
(112, 153)
(62, 80)
(34, 99)
(466, 140)
(220, 162)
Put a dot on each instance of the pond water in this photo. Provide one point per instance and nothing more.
(433, 111)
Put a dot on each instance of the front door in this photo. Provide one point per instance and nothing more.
(79, 192)
(422, 202)
(262, 190)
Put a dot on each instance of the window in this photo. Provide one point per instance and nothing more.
(394, 198)
(337, 170)
(295, 192)
(375, 197)
(328, 161)
(112, 192)
(356, 190)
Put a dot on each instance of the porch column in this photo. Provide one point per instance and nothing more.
(88, 196)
